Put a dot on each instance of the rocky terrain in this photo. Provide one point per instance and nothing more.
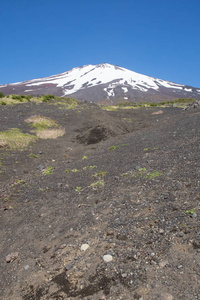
(107, 208)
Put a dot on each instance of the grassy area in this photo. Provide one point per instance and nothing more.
(71, 103)
(14, 139)
(132, 105)
(45, 128)
(64, 102)
(41, 123)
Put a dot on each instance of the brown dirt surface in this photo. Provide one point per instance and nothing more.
(137, 202)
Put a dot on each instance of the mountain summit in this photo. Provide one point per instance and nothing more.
(103, 82)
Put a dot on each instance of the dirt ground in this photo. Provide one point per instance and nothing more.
(122, 186)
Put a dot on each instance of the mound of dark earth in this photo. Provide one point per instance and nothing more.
(110, 210)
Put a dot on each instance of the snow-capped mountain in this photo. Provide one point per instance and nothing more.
(103, 82)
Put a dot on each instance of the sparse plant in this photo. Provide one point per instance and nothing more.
(33, 155)
(48, 171)
(113, 148)
(97, 184)
(100, 174)
(89, 167)
(142, 170)
(18, 182)
(191, 211)
(154, 174)
(143, 173)
(78, 188)
(73, 170)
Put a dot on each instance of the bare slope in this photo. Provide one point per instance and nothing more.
(132, 195)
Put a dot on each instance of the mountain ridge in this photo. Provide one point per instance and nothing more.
(103, 82)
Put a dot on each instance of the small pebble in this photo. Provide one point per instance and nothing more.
(26, 267)
(166, 296)
(12, 256)
(179, 267)
(68, 267)
(162, 264)
(40, 167)
(180, 234)
(107, 258)
(84, 247)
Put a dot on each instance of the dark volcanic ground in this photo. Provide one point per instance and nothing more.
(138, 203)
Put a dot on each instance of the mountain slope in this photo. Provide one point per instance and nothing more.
(103, 82)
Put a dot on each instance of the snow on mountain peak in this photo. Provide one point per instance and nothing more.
(110, 82)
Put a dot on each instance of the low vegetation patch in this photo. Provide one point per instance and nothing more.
(142, 172)
(133, 105)
(116, 147)
(50, 133)
(45, 128)
(48, 171)
(97, 184)
(41, 123)
(33, 155)
(100, 174)
(66, 103)
(14, 139)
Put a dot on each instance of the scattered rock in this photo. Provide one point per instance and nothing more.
(68, 267)
(180, 234)
(159, 112)
(107, 258)
(196, 244)
(40, 167)
(84, 247)
(194, 215)
(179, 267)
(166, 296)
(12, 256)
(162, 264)
(109, 233)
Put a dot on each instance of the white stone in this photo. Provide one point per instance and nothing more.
(84, 247)
(26, 267)
(107, 258)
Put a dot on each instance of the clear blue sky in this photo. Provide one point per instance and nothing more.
(159, 38)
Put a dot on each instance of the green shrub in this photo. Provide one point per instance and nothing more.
(1, 95)
(46, 98)
(17, 97)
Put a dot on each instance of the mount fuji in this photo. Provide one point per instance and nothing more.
(103, 83)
